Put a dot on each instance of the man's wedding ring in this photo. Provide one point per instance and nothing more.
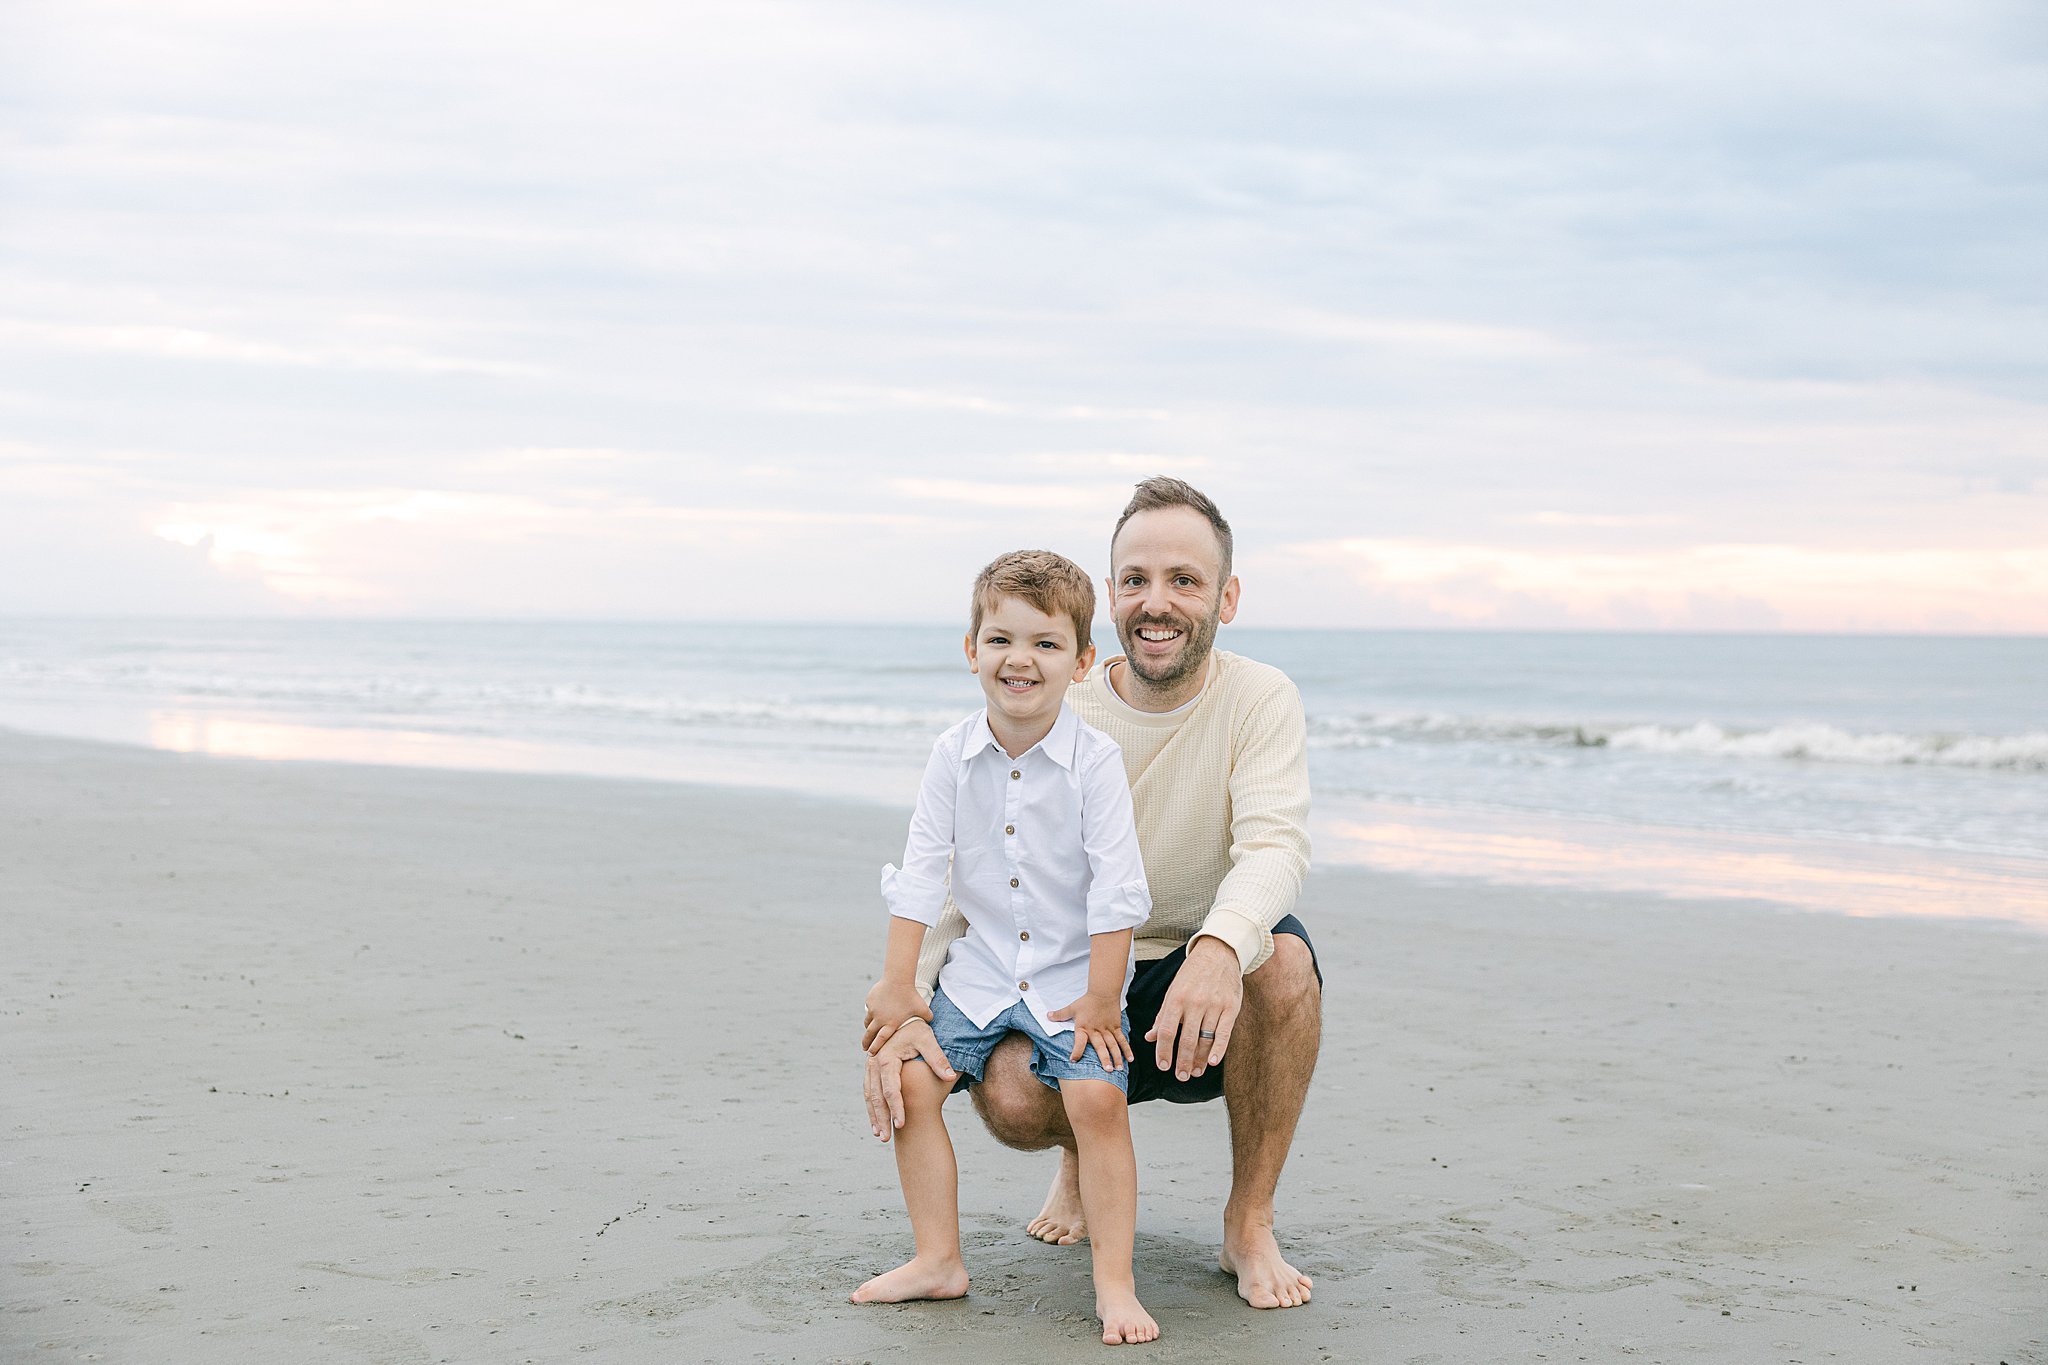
(1204, 1033)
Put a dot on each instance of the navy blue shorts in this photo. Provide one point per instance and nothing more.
(1147, 993)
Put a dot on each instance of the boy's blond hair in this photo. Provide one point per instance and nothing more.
(1050, 582)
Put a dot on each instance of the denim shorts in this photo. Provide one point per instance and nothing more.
(967, 1046)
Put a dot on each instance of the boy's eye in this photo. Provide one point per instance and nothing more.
(996, 640)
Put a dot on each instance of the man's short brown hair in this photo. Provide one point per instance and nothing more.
(1050, 582)
(1161, 491)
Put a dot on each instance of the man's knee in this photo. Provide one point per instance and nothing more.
(1018, 1109)
(1286, 981)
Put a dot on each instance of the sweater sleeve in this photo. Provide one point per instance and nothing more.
(1268, 826)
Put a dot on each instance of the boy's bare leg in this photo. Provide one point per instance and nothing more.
(1021, 1111)
(1265, 1082)
(931, 1192)
(1101, 1121)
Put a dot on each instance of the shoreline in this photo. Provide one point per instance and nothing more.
(1499, 847)
(322, 1062)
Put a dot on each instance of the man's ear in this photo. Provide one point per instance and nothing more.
(1228, 607)
(967, 643)
(1083, 662)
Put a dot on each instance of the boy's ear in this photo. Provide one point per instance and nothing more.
(1083, 662)
(967, 643)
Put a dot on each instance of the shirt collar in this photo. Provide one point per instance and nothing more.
(1061, 743)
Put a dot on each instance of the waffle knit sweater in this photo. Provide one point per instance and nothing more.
(1221, 793)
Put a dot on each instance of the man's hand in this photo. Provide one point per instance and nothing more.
(884, 1084)
(1099, 1021)
(891, 1004)
(1205, 997)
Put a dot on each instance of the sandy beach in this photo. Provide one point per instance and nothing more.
(311, 1062)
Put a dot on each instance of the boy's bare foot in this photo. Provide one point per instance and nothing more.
(1264, 1279)
(1124, 1320)
(916, 1278)
(1060, 1221)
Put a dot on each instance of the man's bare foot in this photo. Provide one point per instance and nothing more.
(1060, 1221)
(916, 1278)
(1264, 1279)
(1124, 1320)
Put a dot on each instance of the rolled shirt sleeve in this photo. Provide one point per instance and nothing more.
(917, 889)
(1118, 897)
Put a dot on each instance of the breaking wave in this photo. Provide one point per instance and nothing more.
(1804, 741)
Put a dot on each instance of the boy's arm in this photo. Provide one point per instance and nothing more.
(1099, 1015)
(1118, 895)
(917, 891)
(894, 999)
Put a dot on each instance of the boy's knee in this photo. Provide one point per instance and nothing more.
(922, 1084)
(1092, 1103)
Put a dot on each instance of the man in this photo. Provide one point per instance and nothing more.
(1216, 749)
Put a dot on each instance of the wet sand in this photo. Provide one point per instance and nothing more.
(312, 1062)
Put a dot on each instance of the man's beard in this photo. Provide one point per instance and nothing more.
(1195, 638)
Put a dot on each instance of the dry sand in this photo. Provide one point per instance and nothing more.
(318, 1063)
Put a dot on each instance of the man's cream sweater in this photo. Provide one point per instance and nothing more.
(1220, 789)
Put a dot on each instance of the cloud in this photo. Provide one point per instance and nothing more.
(1084, 498)
(189, 344)
(671, 305)
(1686, 587)
(369, 549)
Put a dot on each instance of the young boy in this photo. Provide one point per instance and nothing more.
(1033, 811)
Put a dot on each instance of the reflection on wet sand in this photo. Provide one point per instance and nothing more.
(1810, 874)
(202, 732)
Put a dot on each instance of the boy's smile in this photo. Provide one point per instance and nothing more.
(1026, 660)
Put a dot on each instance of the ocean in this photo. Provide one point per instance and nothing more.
(1887, 775)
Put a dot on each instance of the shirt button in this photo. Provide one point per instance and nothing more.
(1016, 773)
(1023, 985)
(1024, 934)
(1009, 829)
(1013, 881)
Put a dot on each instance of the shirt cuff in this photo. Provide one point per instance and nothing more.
(912, 897)
(1249, 939)
(1112, 908)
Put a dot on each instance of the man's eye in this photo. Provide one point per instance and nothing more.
(1184, 582)
(1134, 581)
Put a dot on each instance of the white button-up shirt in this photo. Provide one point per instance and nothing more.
(1044, 853)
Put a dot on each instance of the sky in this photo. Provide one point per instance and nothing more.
(1726, 316)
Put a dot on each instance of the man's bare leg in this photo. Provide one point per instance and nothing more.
(1023, 1112)
(1062, 1221)
(1265, 1081)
